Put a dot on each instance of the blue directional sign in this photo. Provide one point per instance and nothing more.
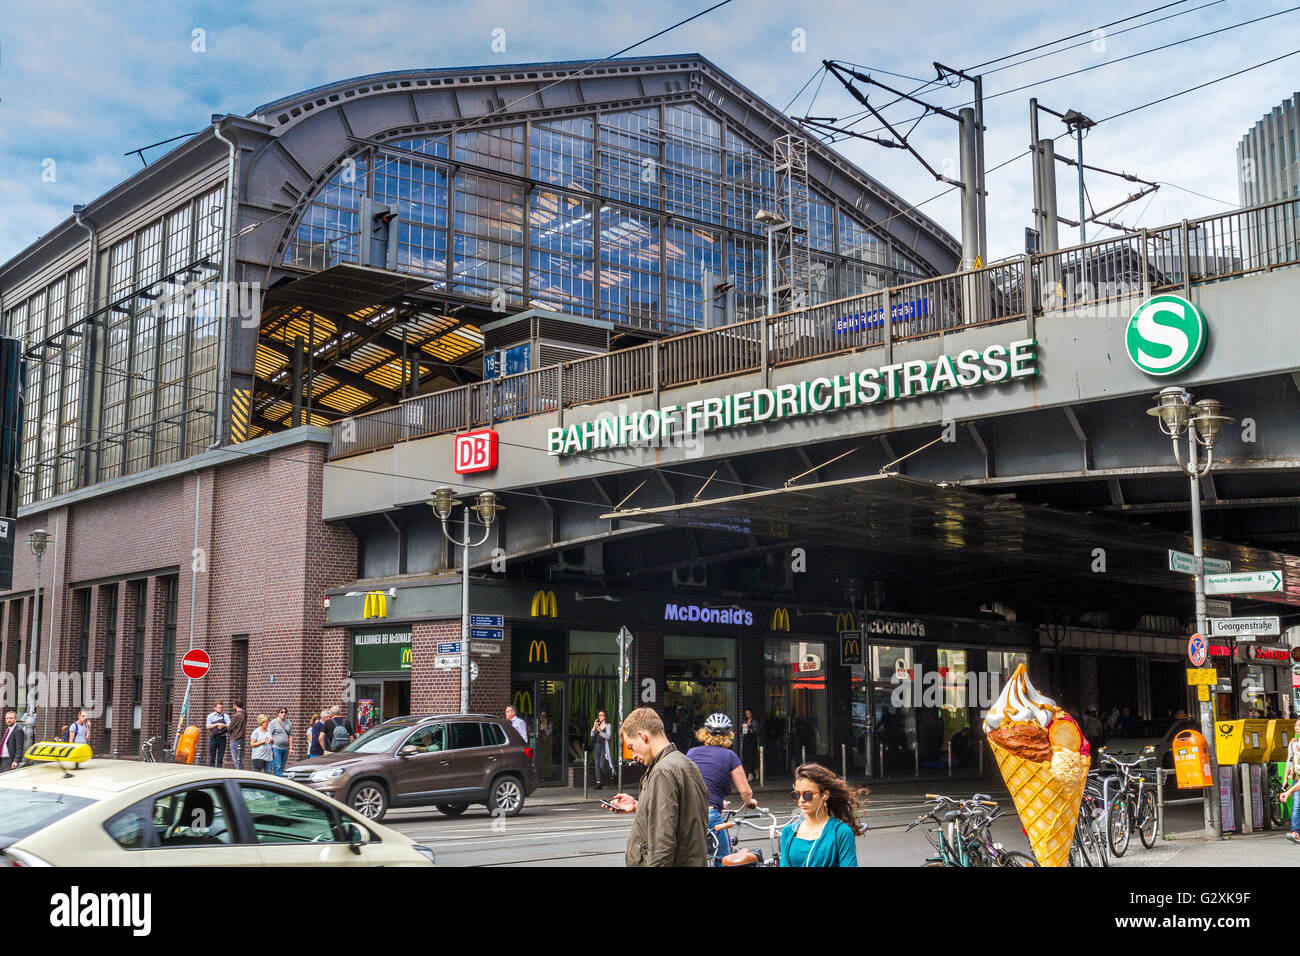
(449, 647)
(487, 620)
(487, 633)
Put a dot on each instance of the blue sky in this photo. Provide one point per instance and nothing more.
(81, 84)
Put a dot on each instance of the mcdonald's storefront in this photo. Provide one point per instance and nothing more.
(381, 669)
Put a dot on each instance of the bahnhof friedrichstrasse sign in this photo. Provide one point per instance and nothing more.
(969, 368)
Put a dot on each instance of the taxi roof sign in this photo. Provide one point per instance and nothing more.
(52, 750)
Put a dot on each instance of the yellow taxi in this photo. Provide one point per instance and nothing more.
(68, 808)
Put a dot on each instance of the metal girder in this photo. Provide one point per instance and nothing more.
(340, 375)
(1116, 492)
(1080, 434)
(1208, 491)
(989, 464)
(1171, 506)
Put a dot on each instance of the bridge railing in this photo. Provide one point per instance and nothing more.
(1167, 258)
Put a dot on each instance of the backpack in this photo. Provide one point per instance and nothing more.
(339, 735)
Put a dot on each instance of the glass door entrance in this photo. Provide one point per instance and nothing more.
(541, 704)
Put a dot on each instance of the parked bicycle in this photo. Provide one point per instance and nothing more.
(147, 750)
(1132, 806)
(961, 835)
(1089, 846)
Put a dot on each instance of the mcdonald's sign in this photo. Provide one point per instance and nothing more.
(406, 658)
(543, 604)
(850, 648)
(780, 619)
(376, 605)
(845, 622)
(537, 653)
(523, 702)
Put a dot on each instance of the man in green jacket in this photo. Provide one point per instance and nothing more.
(672, 814)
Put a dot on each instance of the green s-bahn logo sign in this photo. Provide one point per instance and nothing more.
(1166, 335)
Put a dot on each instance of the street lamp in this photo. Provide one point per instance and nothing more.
(1203, 424)
(487, 506)
(38, 541)
(771, 220)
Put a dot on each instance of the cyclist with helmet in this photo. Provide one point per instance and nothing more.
(722, 770)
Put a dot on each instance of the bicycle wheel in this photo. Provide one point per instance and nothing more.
(1016, 858)
(1117, 823)
(1080, 855)
(1097, 828)
(1146, 819)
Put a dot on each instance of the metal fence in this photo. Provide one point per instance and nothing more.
(1168, 258)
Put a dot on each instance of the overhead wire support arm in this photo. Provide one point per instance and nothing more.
(902, 140)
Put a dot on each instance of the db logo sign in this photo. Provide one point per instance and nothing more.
(476, 451)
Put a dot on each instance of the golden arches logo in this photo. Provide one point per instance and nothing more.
(537, 653)
(780, 619)
(376, 605)
(523, 702)
(851, 651)
(845, 622)
(406, 657)
(543, 605)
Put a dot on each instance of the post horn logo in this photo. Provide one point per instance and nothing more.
(845, 622)
(780, 619)
(376, 604)
(537, 653)
(523, 702)
(543, 604)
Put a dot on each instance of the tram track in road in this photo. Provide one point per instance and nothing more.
(580, 855)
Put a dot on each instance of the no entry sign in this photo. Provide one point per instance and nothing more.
(195, 663)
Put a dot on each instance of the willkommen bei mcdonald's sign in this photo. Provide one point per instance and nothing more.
(543, 605)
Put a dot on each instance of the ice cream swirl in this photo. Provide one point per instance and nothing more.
(1020, 702)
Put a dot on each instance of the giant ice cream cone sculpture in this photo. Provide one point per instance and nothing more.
(1043, 758)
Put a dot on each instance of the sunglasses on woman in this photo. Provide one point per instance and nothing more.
(797, 795)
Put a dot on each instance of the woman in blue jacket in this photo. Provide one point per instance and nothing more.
(825, 835)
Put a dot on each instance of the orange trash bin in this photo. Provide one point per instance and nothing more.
(1191, 760)
(186, 746)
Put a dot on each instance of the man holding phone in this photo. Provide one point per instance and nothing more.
(671, 816)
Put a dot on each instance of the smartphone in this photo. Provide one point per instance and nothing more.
(606, 803)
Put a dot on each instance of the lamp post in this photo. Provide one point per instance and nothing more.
(38, 540)
(1203, 424)
(771, 220)
(444, 500)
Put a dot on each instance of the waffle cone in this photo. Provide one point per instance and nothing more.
(1048, 810)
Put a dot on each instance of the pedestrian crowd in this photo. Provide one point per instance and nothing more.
(271, 740)
(682, 797)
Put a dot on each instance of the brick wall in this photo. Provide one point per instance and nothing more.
(262, 564)
(433, 691)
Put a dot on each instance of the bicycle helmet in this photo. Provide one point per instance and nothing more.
(717, 724)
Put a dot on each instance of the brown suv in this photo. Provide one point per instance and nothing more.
(449, 761)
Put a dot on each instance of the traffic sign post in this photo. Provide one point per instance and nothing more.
(624, 640)
(194, 665)
(1244, 582)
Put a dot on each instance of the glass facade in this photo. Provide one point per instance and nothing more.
(612, 215)
(152, 378)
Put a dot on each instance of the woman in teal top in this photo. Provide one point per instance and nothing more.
(825, 835)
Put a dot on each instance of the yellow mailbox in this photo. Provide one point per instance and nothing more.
(1240, 741)
(1280, 731)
